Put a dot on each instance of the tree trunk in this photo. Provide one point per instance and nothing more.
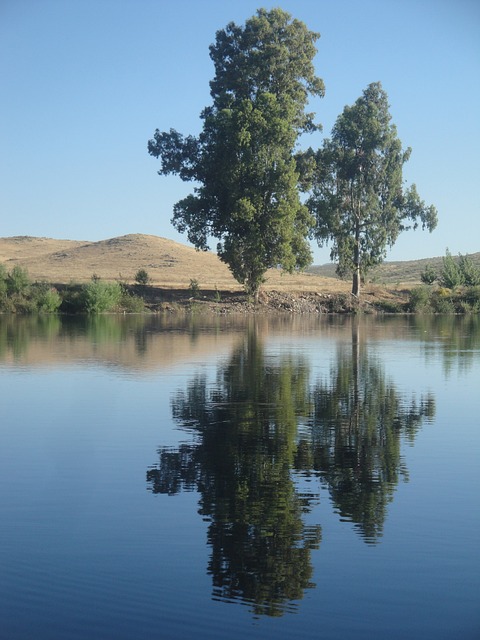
(354, 420)
(356, 264)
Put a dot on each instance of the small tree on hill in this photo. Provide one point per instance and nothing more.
(451, 276)
(470, 272)
(428, 275)
(142, 278)
(358, 196)
(459, 271)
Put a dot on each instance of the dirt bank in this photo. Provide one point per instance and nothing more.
(224, 302)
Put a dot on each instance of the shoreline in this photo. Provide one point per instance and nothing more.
(159, 300)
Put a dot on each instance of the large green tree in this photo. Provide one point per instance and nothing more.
(244, 160)
(358, 198)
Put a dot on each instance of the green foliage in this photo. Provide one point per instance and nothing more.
(46, 298)
(451, 275)
(420, 299)
(470, 272)
(142, 278)
(428, 275)
(358, 197)
(459, 272)
(194, 288)
(99, 296)
(445, 300)
(245, 160)
(18, 281)
(472, 295)
(442, 301)
(19, 295)
(3, 283)
(247, 492)
(389, 306)
(131, 303)
(72, 299)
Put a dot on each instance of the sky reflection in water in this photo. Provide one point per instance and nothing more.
(323, 467)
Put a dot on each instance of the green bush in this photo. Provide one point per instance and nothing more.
(429, 275)
(389, 306)
(99, 296)
(131, 303)
(450, 276)
(17, 303)
(472, 298)
(419, 299)
(443, 302)
(3, 283)
(18, 281)
(194, 288)
(72, 299)
(46, 298)
(462, 271)
(470, 272)
(142, 278)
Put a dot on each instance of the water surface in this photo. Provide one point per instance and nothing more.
(229, 477)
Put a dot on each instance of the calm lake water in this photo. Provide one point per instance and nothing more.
(240, 478)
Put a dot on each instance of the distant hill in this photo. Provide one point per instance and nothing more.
(407, 271)
(168, 263)
(174, 265)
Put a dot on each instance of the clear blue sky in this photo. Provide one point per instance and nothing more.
(84, 84)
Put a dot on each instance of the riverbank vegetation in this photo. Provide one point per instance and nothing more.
(18, 294)
(452, 289)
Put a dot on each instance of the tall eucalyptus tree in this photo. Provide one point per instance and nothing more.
(358, 198)
(244, 163)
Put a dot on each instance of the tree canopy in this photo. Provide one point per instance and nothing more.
(244, 161)
(358, 198)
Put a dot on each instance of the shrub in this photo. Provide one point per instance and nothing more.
(72, 298)
(389, 306)
(17, 303)
(3, 282)
(46, 298)
(429, 275)
(472, 297)
(18, 281)
(419, 299)
(451, 276)
(470, 272)
(99, 296)
(142, 278)
(443, 305)
(442, 302)
(194, 288)
(131, 303)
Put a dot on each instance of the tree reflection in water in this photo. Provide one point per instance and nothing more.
(247, 449)
(246, 428)
(358, 422)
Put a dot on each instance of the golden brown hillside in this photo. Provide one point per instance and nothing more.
(168, 263)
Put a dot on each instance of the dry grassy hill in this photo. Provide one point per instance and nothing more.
(405, 271)
(168, 263)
